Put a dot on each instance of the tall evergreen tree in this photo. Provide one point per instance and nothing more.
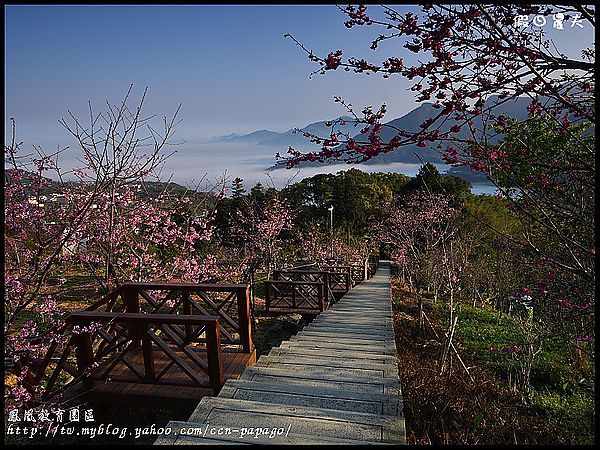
(237, 188)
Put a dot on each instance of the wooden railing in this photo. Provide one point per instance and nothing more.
(358, 273)
(303, 266)
(319, 276)
(303, 296)
(340, 277)
(230, 302)
(130, 331)
(190, 318)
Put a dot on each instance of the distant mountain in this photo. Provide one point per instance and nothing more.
(291, 137)
(297, 138)
(251, 138)
(409, 154)
(411, 121)
(465, 173)
(151, 188)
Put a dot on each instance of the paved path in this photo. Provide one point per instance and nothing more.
(335, 382)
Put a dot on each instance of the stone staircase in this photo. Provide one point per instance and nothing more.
(335, 382)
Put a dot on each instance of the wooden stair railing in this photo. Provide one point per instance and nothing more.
(141, 332)
(229, 302)
(295, 295)
(340, 277)
(358, 273)
(319, 276)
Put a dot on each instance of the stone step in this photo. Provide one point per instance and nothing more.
(386, 348)
(335, 348)
(347, 330)
(352, 323)
(276, 375)
(327, 423)
(233, 436)
(383, 370)
(327, 398)
(353, 312)
(340, 337)
(377, 348)
(294, 352)
(337, 336)
(369, 351)
(316, 370)
(359, 323)
(331, 318)
(351, 305)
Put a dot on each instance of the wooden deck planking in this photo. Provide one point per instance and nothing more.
(122, 386)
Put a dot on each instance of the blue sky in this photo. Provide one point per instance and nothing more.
(230, 66)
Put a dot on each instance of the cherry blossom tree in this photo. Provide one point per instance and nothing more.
(313, 243)
(101, 219)
(411, 229)
(261, 226)
(470, 55)
(472, 62)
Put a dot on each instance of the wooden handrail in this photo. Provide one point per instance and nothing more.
(132, 298)
(165, 285)
(176, 319)
(241, 293)
(310, 283)
(344, 267)
(323, 274)
(303, 265)
(84, 352)
(303, 272)
(320, 292)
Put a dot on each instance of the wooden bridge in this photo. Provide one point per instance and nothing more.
(336, 382)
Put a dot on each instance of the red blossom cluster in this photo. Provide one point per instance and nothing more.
(472, 52)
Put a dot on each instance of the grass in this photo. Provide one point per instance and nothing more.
(481, 327)
(450, 409)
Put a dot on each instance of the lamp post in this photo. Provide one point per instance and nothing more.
(331, 228)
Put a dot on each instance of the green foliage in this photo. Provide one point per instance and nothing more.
(237, 188)
(547, 169)
(572, 415)
(259, 284)
(430, 180)
(480, 328)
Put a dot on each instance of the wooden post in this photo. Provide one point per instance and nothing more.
(321, 297)
(215, 359)
(187, 310)
(244, 319)
(131, 299)
(267, 295)
(85, 358)
(148, 353)
(326, 289)
(293, 295)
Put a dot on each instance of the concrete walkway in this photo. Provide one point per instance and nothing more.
(335, 382)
